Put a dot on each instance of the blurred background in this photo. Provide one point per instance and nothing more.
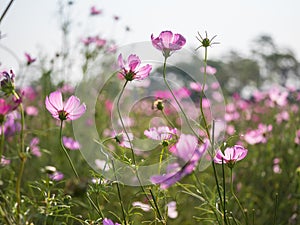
(252, 34)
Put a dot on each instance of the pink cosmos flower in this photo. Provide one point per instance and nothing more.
(161, 133)
(109, 222)
(34, 148)
(172, 211)
(283, 116)
(209, 70)
(87, 41)
(297, 138)
(167, 42)
(278, 97)
(258, 135)
(69, 110)
(123, 140)
(31, 111)
(188, 153)
(6, 107)
(131, 69)
(29, 59)
(56, 176)
(4, 161)
(94, 11)
(70, 143)
(231, 155)
(99, 42)
(11, 124)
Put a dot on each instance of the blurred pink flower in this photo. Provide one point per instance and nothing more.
(278, 97)
(297, 137)
(179, 93)
(123, 140)
(209, 70)
(99, 42)
(283, 116)
(29, 93)
(29, 59)
(188, 153)
(31, 111)
(230, 129)
(109, 222)
(94, 11)
(172, 211)
(87, 41)
(70, 143)
(56, 176)
(161, 133)
(4, 161)
(69, 110)
(131, 69)
(215, 85)
(258, 135)
(167, 42)
(231, 155)
(34, 148)
(276, 166)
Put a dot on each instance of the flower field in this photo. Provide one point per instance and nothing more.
(147, 136)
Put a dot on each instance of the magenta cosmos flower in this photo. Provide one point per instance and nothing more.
(109, 222)
(188, 153)
(69, 110)
(131, 69)
(167, 42)
(231, 155)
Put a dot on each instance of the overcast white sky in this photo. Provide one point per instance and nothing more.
(33, 25)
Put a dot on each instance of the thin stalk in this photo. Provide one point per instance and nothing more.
(156, 206)
(133, 155)
(224, 191)
(2, 141)
(218, 188)
(276, 208)
(204, 195)
(168, 86)
(18, 186)
(235, 197)
(22, 156)
(202, 94)
(122, 123)
(98, 209)
(167, 119)
(4, 216)
(65, 150)
(119, 195)
(6, 10)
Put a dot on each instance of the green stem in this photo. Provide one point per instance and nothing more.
(276, 208)
(167, 119)
(65, 150)
(218, 188)
(98, 209)
(168, 86)
(119, 194)
(132, 153)
(224, 192)
(2, 141)
(22, 156)
(18, 185)
(236, 198)
(202, 94)
(122, 123)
